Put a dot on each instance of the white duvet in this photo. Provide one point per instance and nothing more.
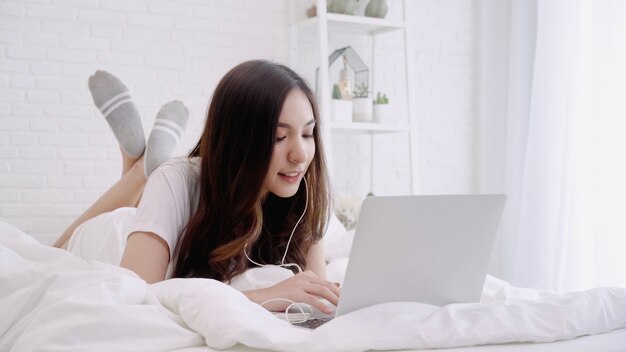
(51, 300)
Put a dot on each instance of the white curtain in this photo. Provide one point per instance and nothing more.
(558, 148)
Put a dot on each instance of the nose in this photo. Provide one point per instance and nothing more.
(297, 152)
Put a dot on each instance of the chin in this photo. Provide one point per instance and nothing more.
(285, 193)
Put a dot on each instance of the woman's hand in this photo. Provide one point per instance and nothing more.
(304, 287)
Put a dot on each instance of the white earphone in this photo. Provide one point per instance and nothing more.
(292, 318)
(282, 262)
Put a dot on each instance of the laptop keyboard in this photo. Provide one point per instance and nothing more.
(313, 323)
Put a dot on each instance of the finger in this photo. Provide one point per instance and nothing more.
(334, 287)
(323, 292)
(330, 285)
(316, 303)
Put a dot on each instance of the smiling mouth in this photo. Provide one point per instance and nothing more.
(290, 177)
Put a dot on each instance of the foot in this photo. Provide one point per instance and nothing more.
(114, 102)
(169, 125)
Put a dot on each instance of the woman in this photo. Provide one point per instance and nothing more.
(253, 190)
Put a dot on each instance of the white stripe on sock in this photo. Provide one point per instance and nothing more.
(168, 131)
(112, 100)
(116, 105)
(176, 127)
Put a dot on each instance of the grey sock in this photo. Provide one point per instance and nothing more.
(114, 102)
(169, 125)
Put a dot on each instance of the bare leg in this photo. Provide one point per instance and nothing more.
(124, 193)
(128, 161)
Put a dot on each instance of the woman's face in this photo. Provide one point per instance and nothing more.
(294, 146)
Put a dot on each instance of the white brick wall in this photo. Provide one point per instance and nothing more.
(446, 54)
(57, 154)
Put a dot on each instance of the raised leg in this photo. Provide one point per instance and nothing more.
(169, 126)
(128, 161)
(113, 100)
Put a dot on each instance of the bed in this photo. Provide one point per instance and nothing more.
(52, 300)
(613, 341)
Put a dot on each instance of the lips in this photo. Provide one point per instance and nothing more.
(291, 174)
(291, 177)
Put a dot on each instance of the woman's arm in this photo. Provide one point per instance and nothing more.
(304, 287)
(307, 287)
(147, 255)
(316, 260)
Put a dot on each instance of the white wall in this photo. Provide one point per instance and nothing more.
(446, 59)
(57, 154)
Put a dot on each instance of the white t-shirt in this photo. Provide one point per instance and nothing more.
(169, 199)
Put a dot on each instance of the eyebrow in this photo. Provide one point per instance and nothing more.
(286, 125)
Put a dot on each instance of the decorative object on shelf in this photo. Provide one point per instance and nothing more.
(376, 8)
(362, 90)
(360, 73)
(347, 208)
(336, 92)
(345, 86)
(352, 60)
(365, 33)
(341, 110)
(362, 104)
(361, 79)
(382, 112)
(381, 99)
(311, 11)
(345, 7)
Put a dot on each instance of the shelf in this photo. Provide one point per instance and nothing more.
(332, 29)
(368, 127)
(355, 24)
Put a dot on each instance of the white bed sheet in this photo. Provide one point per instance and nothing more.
(46, 292)
(614, 341)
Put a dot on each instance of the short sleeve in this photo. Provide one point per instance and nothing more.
(167, 202)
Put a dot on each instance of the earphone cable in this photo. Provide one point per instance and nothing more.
(306, 204)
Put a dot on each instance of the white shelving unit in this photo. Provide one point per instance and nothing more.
(325, 24)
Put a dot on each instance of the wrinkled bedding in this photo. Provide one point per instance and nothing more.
(52, 300)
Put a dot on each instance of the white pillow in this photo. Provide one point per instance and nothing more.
(337, 241)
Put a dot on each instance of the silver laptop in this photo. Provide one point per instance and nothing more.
(429, 249)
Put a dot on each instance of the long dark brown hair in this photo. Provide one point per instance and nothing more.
(235, 150)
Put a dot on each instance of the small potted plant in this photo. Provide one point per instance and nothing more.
(346, 7)
(362, 109)
(382, 113)
(376, 8)
(341, 110)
